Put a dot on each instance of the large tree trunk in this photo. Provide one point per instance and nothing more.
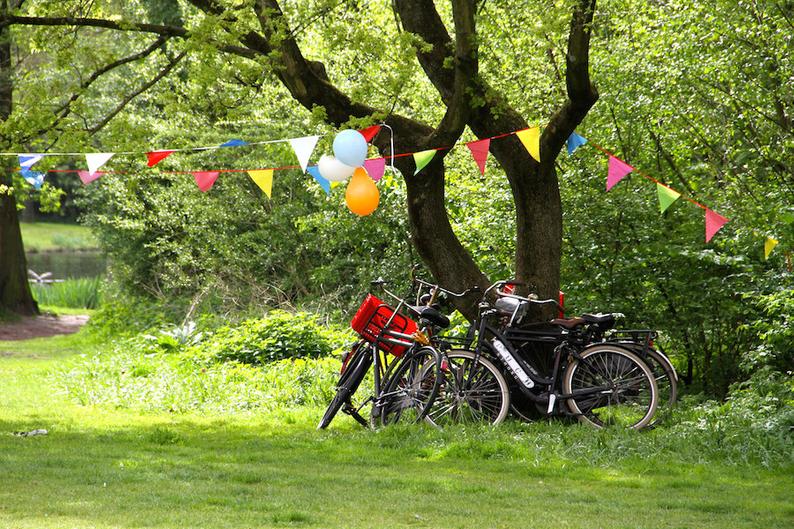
(15, 294)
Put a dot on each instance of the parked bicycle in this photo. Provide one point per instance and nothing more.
(599, 383)
(406, 366)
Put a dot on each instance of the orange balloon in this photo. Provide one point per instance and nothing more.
(362, 194)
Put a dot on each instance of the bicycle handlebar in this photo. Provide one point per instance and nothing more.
(438, 288)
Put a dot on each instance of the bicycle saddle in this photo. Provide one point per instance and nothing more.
(433, 316)
(602, 320)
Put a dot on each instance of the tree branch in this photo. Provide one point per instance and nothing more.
(165, 71)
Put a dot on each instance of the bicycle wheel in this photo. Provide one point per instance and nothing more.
(348, 383)
(610, 386)
(411, 389)
(471, 393)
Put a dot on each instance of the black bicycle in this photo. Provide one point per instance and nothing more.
(600, 384)
(407, 368)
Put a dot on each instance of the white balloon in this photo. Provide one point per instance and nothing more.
(333, 170)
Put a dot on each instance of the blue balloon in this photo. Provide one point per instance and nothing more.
(350, 148)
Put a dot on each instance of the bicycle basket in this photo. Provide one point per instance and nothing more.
(370, 321)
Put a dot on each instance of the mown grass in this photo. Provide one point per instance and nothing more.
(51, 236)
(102, 466)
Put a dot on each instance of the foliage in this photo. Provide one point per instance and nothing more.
(279, 335)
(775, 330)
(84, 292)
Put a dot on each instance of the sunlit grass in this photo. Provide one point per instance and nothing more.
(44, 236)
(77, 293)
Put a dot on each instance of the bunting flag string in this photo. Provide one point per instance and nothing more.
(375, 167)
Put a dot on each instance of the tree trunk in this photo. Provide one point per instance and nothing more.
(15, 294)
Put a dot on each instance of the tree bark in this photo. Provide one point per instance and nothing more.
(15, 294)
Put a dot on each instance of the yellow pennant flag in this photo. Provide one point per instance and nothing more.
(769, 245)
(531, 140)
(264, 179)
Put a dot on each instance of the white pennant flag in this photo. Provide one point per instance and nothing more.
(304, 147)
(96, 160)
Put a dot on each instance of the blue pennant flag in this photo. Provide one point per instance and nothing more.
(234, 143)
(574, 142)
(26, 161)
(34, 178)
(315, 172)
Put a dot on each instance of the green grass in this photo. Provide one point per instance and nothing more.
(77, 293)
(53, 236)
(103, 467)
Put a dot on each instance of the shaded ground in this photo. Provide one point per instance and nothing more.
(41, 327)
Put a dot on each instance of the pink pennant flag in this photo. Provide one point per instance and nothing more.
(375, 167)
(205, 179)
(714, 221)
(370, 132)
(156, 157)
(479, 150)
(618, 169)
(87, 177)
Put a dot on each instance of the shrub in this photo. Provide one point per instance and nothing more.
(277, 336)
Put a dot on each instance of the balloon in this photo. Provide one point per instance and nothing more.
(333, 170)
(362, 194)
(350, 148)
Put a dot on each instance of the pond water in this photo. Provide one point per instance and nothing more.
(68, 264)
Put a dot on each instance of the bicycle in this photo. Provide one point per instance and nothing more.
(404, 387)
(600, 384)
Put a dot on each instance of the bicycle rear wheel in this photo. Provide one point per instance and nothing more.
(349, 382)
(471, 393)
(411, 389)
(666, 380)
(610, 386)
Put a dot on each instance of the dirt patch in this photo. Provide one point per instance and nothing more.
(41, 327)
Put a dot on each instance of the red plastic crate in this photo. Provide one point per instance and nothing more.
(371, 318)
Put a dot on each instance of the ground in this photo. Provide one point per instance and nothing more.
(41, 326)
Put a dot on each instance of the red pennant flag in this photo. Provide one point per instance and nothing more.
(714, 221)
(618, 169)
(205, 179)
(479, 150)
(87, 177)
(370, 132)
(156, 157)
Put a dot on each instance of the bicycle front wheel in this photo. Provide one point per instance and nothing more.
(471, 392)
(411, 389)
(349, 382)
(610, 386)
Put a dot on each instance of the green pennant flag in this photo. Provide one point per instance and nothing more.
(666, 196)
(422, 159)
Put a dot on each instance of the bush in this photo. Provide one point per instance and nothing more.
(277, 336)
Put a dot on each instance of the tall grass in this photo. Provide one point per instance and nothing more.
(82, 293)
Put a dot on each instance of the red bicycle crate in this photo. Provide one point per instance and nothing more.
(371, 318)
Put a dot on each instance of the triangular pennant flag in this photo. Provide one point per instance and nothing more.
(264, 179)
(574, 142)
(234, 143)
(769, 245)
(26, 161)
(666, 196)
(714, 221)
(156, 157)
(531, 140)
(304, 147)
(87, 177)
(618, 169)
(315, 172)
(479, 150)
(34, 178)
(96, 160)
(370, 132)
(422, 159)
(375, 167)
(205, 179)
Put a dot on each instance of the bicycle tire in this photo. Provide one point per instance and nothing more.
(666, 380)
(349, 382)
(488, 401)
(411, 389)
(631, 398)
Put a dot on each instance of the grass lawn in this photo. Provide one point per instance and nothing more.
(108, 468)
(49, 236)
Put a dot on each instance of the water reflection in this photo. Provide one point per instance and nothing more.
(69, 264)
